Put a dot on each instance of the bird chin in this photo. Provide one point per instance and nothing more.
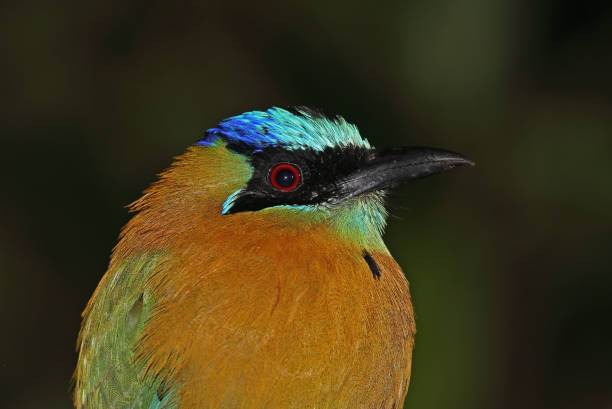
(361, 219)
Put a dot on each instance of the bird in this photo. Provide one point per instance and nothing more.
(253, 274)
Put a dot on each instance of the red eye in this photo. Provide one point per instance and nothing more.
(285, 177)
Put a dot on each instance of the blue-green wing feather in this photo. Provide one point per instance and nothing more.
(166, 403)
(107, 374)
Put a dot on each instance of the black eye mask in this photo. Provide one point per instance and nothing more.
(317, 174)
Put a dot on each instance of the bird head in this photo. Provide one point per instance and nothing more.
(304, 167)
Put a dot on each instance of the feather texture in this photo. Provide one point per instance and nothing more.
(269, 309)
(281, 128)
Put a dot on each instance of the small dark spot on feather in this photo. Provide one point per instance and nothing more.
(161, 392)
(372, 264)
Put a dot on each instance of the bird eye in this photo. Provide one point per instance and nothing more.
(285, 177)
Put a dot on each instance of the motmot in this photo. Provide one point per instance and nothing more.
(253, 274)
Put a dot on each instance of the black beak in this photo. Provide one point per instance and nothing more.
(389, 168)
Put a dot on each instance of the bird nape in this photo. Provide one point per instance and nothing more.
(254, 275)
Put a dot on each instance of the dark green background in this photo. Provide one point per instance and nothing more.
(509, 262)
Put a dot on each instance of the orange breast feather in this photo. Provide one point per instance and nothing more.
(257, 311)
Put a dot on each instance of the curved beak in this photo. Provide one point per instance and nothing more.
(388, 168)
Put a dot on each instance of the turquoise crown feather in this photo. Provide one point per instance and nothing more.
(300, 128)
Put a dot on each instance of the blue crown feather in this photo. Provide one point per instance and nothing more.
(278, 127)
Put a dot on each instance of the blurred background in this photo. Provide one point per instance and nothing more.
(509, 262)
